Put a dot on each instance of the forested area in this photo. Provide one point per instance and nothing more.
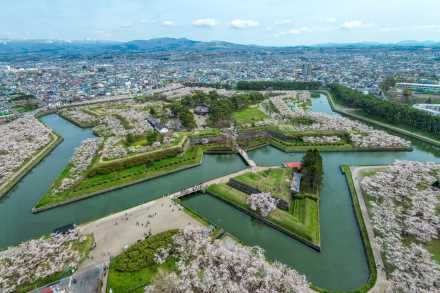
(185, 116)
(312, 171)
(222, 107)
(277, 85)
(392, 112)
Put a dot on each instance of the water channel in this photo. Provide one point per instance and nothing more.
(341, 264)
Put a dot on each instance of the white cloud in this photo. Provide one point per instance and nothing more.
(294, 31)
(330, 20)
(143, 21)
(426, 27)
(126, 26)
(168, 23)
(283, 21)
(389, 29)
(205, 22)
(243, 23)
(354, 24)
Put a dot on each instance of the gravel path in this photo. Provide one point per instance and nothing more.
(116, 232)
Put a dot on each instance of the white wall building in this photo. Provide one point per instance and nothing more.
(433, 109)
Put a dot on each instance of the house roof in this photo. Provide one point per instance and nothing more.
(292, 164)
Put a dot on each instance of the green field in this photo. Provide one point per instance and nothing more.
(101, 183)
(302, 220)
(275, 181)
(434, 247)
(249, 115)
(364, 234)
(135, 268)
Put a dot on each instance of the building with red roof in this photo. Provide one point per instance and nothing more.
(296, 165)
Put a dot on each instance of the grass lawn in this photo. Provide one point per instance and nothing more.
(275, 181)
(249, 115)
(44, 281)
(302, 222)
(434, 247)
(101, 183)
(122, 282)
(231, 194)
(135, 268)
(293, 146)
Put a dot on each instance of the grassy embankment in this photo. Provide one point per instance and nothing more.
(293, 142)
(100, 183)
(364, 233)
(300, 222)
(275, 181)
(29, 164)
(83, 248)
(377, 121)
(432, 246)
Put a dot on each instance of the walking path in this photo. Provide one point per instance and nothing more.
(242, 152)
(245, 157)
(382, 285)
(220, 180)
(117, 232)
(121, 230)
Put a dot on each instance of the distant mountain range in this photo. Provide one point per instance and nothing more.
(18, 47)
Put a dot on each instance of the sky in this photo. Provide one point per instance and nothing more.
(262, 22)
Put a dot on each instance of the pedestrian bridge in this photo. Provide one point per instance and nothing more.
(220, 180)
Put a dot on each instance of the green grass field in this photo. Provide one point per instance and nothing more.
(101, 183)
(434, 247)
(275, 181)
(135, 268)
(302, 221)
(249, 115)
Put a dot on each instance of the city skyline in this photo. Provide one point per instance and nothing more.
(280, 23)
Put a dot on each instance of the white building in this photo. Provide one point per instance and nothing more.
(433, 109)
(419, 87)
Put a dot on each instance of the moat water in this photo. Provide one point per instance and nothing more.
(341, 264)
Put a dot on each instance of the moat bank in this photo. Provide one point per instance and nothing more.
(17, 223)
(341, 264)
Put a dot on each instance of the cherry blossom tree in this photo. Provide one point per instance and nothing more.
(263, 203)
(403, 207)
(213, 266)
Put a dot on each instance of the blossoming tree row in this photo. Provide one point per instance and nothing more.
(404, 213)
(215, 266)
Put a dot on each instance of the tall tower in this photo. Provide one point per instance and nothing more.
(307, 71)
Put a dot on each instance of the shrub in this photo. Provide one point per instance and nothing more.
(141, 254)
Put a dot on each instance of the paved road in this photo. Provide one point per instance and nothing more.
(85, 281)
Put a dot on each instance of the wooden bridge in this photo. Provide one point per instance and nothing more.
(220, 180)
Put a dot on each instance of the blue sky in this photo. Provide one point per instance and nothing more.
(265, 22)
